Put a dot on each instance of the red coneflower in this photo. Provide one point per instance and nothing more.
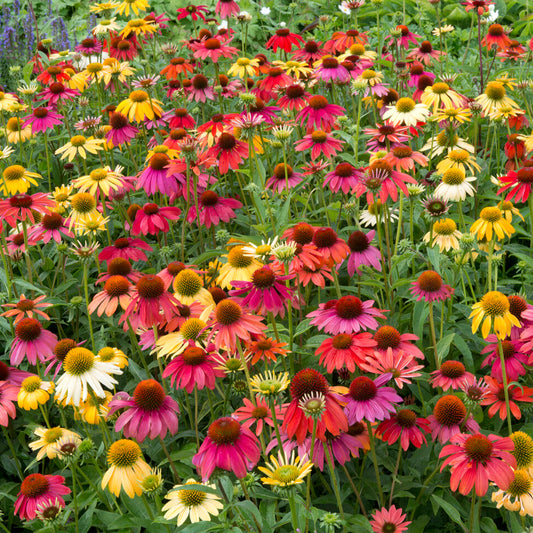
(340, 41)
(195, 12)
(310, 52)
(152, 219)
(213, 48)
(227, 8)
(294, 97)
(425, 53)
(389, 337)
(496, 38)
(330, 245)
(400, 364)
(21, 207)
(513, 355)
(52, 226)
(405, 158)
(284, 39)
(266, 348)
(229, 152)
(345, 350)
(495, 397)
(117, 291)
(127, 248)
(518, 184)
(122, 48)
(406, 426)
(259, 414)
(177, 66)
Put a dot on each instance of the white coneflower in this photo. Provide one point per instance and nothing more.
(407, 112)
(455, 186)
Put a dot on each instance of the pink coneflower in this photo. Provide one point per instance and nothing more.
(16, 244)
(182, 119)
(149, 413)
(229, 152)
(406, 37)
(416, 71)
(308, 382)
(232, 325)
(430, 288)
(52, 226)
(26, 308)
(8, 396)
(452, 375)
(319, 114)
(200, 91)
(213, 209)
(330, 245)
(265, 293)
(362, 252)
(400, 364)
(403, 157)
(36, 490)
(21, 207)
(329, 70)
(345, 350)
(155, 178)
(345, 177)
(425, 53)
(477, 459)
(388, 520)
(310, 52)
(195, 12)
(518, 184)
(31, 341)
(228, 446)
(346, 315)
(127, 248)
(152, 219)
(57, 92)
(448, 419)
(258, 414)
(194, 367)
(148, 299)
(306, 256)
(294, 97)
(89, 47)
(369, 400)
(386, 136)
(213, 48)
(406, 426)
(284, 178)
(514, 358)
(284, 40)
(13, 375)
(342, 448)
(118, 291)
(389, 337)
(227, 8)
(320, 143)
(42, 119)
(121, 130)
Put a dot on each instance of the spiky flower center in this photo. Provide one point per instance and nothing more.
(52, 222)
(517, 305)
(521, 484)
(34, 485)
(106, 354)
(330, 63)
(31, 384)
(406, 418)
(342, 341)
(192, 498)
(263, 278)
(358, 242)
(449, 411)
(149, 395)
(116, 286)
(188, 283)
(83, 202)
(228, 312)
(281, 170)
(52, 435)
(150, 287)
(452, 369)
(523, 449)
(227, 141)
(387, 337)
(190, 330)
(495, 90)
(363, 389)
(525, 175)
(318, 102)
(78, 361)
(119, 266)
(308, 381)
(429, 281)
(225, 430)
(495, 304)
(445, 227)
(63, 347)
(123, 453)
(28, 329)
(303, 233)
(139, 96)
(453, 176)
(194, 356)
(319, 136)
(349, 307)
(478, 448)
(440, 88)
(459, 156)
(324, 238)
(237, 259)
(405, 105)
(14, 173)
(209, 198)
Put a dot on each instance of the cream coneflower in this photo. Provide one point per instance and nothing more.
(406, 111)
(493, 311)
(189, 288)
(519, 495)
(15, 131)
(83, 206)
(192, 332)
(196, 505)
(47, 443)
(127, 467)
(455, 186)
(445, 234)
(441, 95)
(84, 373)
(495, 98)
(285, 471)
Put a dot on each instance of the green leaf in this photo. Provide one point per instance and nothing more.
(449, 509)
(443, 346)
(461, 345)
(420, 313)
(303, 327)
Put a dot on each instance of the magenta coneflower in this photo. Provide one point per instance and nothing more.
(346, 315)
(199, 90)
(213, 209)
(513, 355)
(57, 92)
(155, 178)
(229, 152)
(149, 299)
(477, 459)
(31, 341)
(389, 337)
(345, 350)
(8, 396)
(430, 288)
(227, 8)
(258, 414)
(386, 136)
(319, 114)
(406, 36)
(149, 413)
(38, 489)
(329, 70)
(26, 308)
(52, 226)
(193, 367)
(416, 71)
(89, 47)
(42, 119)
(232, 324)
(330, 245)
(265, 293)
(121, 130)
(152, 219)
(369, 400)
(406, 426)
(425, 53)
(310, 383)
(284, 178)
(400, 364)
(345, 177)
(127, 248)
(362, 253)
(448, 418)
(388, 520)
(452, 375)
(228, 446)
(13, 375)
(320, 143)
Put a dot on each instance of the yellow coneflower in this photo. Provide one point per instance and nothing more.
(79, 145)
(113, 68)
(445, 234)
(518, 496)
(239, 267)
(83, 205)
(7, 101)
(62, 195)
(17, 179)
(493, 312)
(15, 133)
(47, 443)
(79, 81)
(244, 68)
(440, 94)
(495, 98)
(443, 142)
(458, 158)
(491, 221)
(139, 106)
(109, 354)
(91, 224)
(138, 27)
(105, 26)
(94, 408)
(285, 471)
(297, 69)
(508, 210)
(461, 115)
(94, 72)
(100, 180)
(269, 383)
(189, 288)
(34, 392)
(193, 329)
(135, 5)
(103, 6)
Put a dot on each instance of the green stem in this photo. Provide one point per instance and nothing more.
(334, 483)
(395, 473)
(13, 452)
(375, 461)
(505, 386)
(86, 292)
(433, 336)
(74, 497)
